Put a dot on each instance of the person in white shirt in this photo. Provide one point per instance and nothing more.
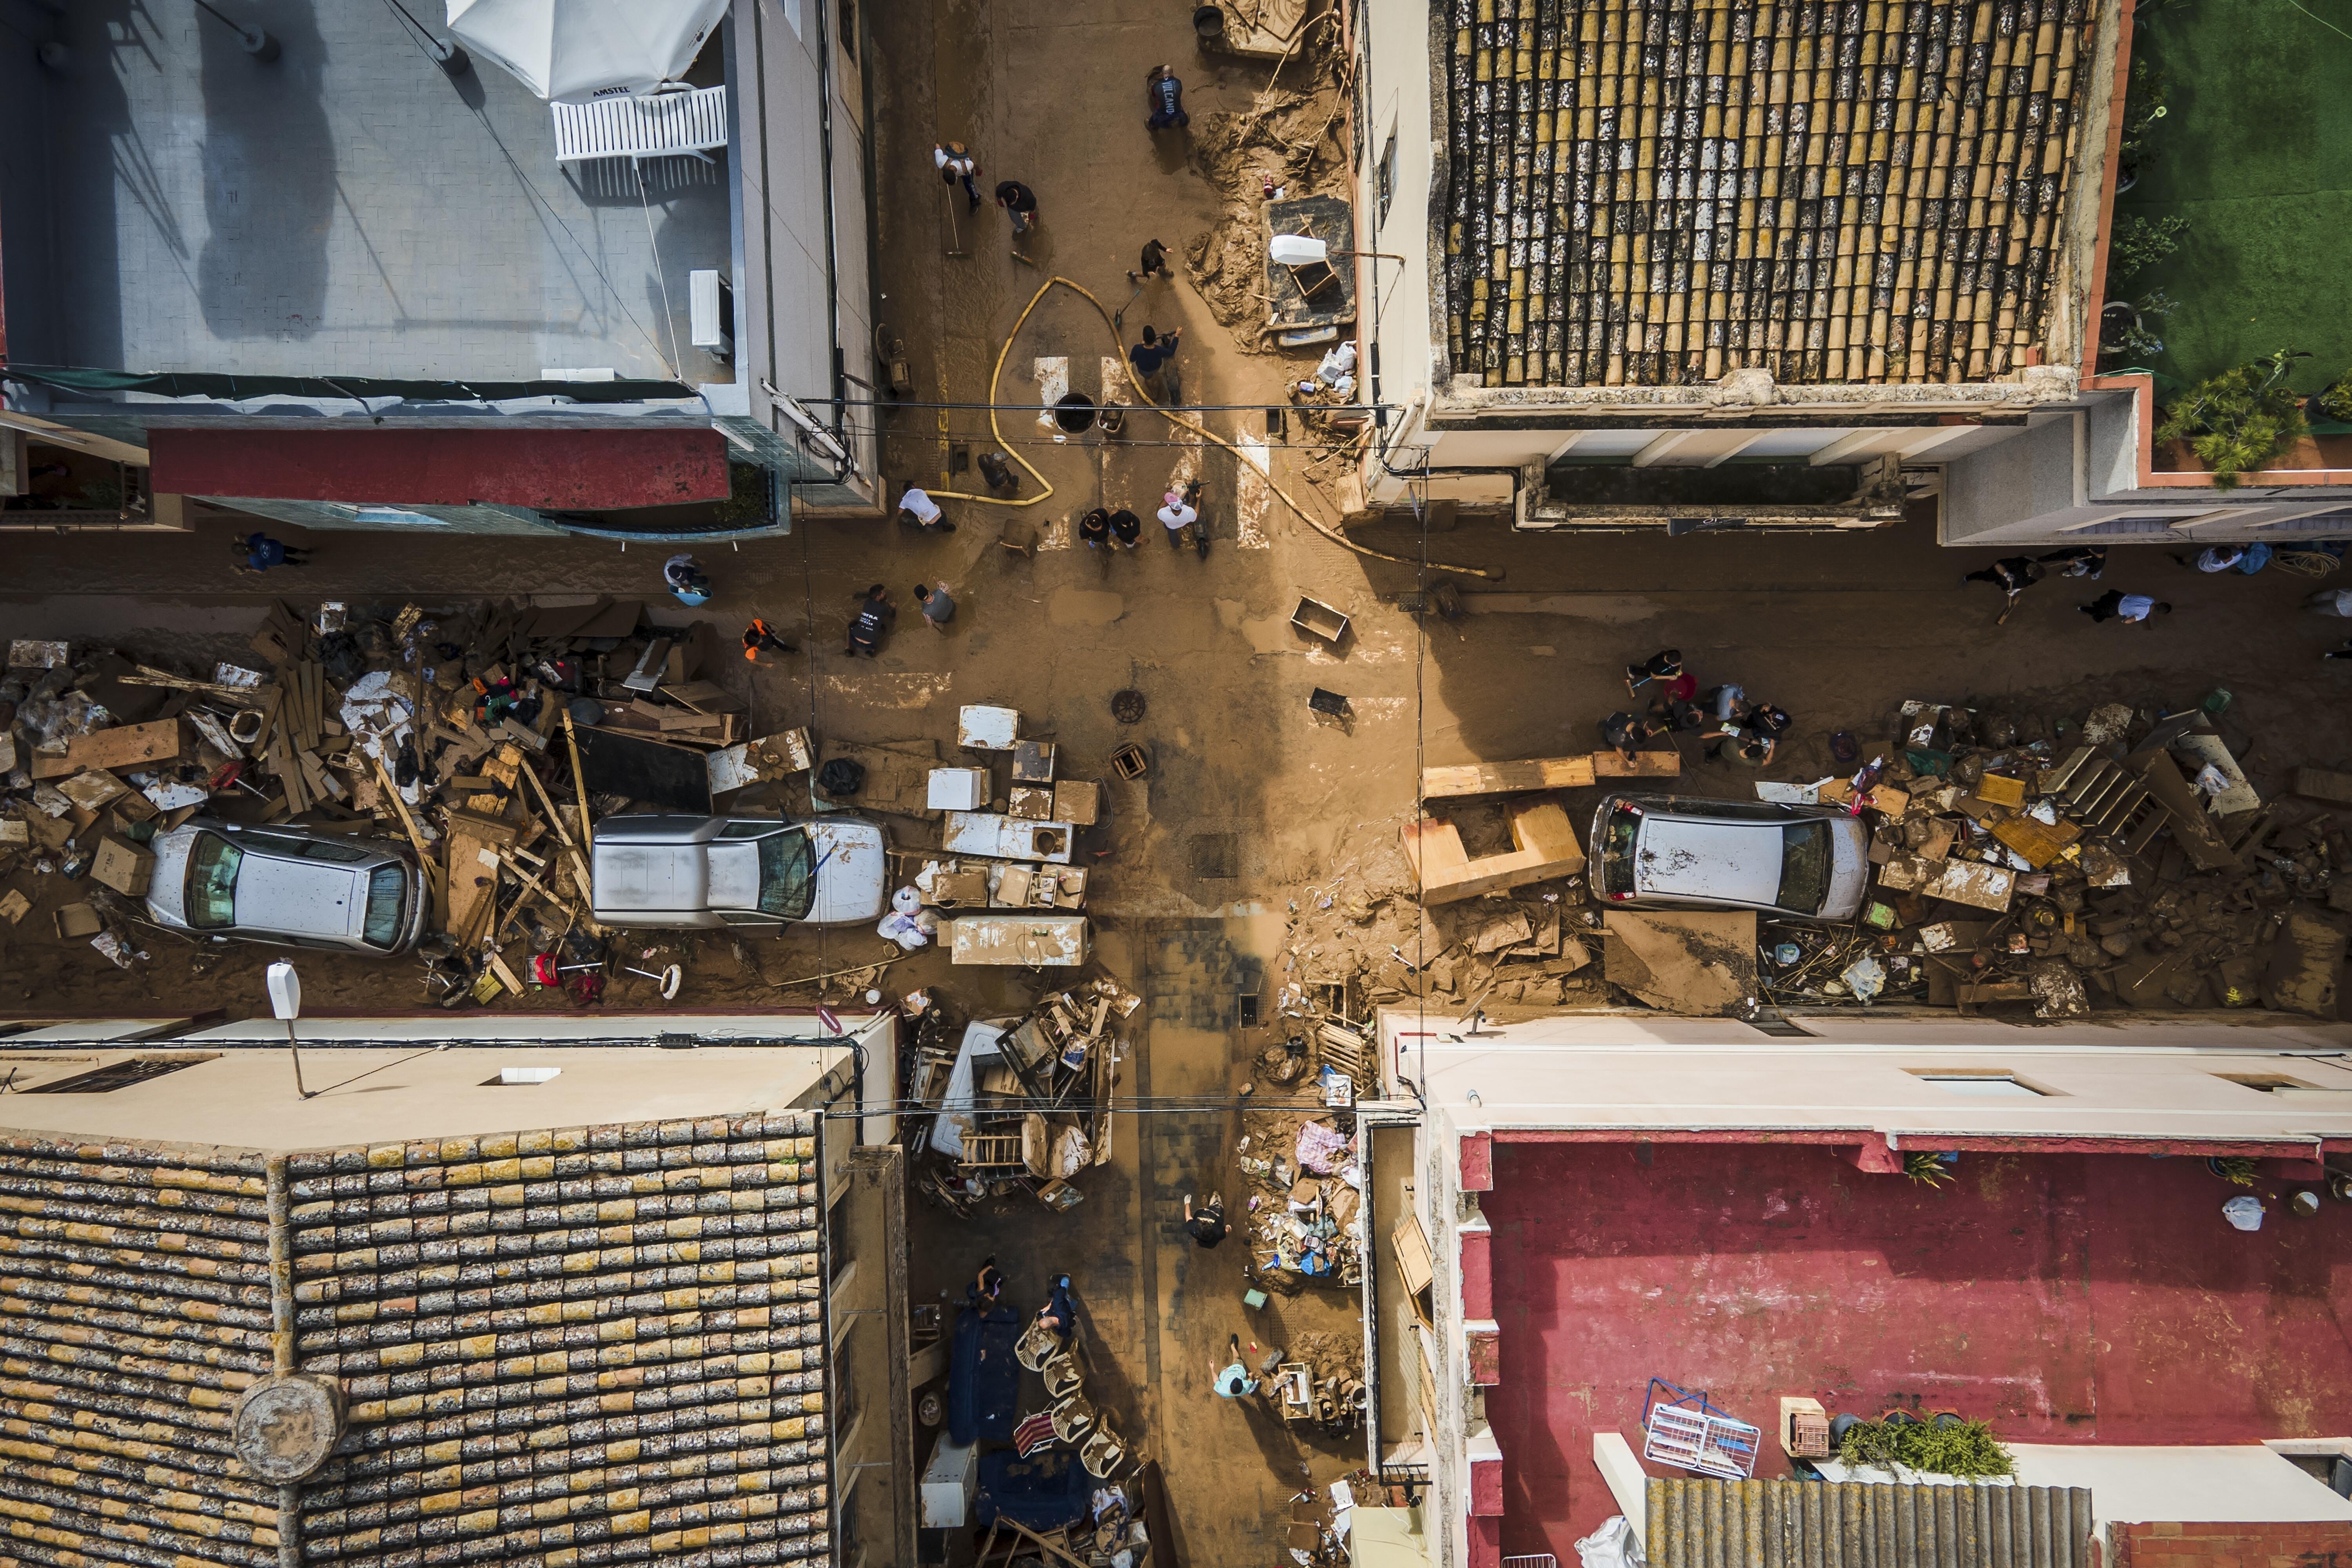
(954, 163)
(916, 508)
(1178, 517)
(2115, 604)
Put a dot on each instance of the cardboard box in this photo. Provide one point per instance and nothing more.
(28, 654)
(14, 906)
(1013, 887)
(78, 920)
(960, 889)
(124, 867)
(90, 791)
(1077, 802)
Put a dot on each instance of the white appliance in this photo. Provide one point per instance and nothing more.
(950, 1481)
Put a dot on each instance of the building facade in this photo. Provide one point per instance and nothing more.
(345, 287)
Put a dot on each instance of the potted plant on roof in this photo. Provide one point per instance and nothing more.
(2241, 420)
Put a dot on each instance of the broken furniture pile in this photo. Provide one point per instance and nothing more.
(1303, 1210)
(97, 758)
(1007, 876)
(487, 739)
(1022, 1104)
(2128, 861)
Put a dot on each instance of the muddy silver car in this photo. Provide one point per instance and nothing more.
(1812, 863)
(673, 871)
(288, 887)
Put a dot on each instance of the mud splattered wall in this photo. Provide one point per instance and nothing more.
(566, 1348)
(1657, 193)
(134, 1308)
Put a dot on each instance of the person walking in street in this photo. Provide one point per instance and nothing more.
(1234, 1381)
(1125, 527)
(1177, 519)
(1154, 259)
(686, 580)
(2212, 558)
(1164, 95)
(937, 604)
(996, 472)
(955, 163)
(2335, 601)
(762, 644)
(1094, 529)
(2131, 609)
(1153, 360)
(2012, 574)
(2083, 560)
(987, 1286)
(916, 509)
(2246, 558)
(1665, 664)
(1206, 1224)
(1020, 200)
(1624, 734)
(261, 552)
(874, 613)
(1059, 1316)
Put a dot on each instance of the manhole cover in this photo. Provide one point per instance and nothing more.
(1074, 411)
(1126, 706)
(1216, 854)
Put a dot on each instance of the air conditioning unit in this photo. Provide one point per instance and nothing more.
(711, 308)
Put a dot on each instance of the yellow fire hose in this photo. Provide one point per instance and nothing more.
(1173, 418)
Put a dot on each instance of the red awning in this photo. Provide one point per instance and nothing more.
(562, 470)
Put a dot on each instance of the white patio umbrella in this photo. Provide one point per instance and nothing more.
(570, 51)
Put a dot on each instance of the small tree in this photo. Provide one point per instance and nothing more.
(2242, 419)
(2136, 243)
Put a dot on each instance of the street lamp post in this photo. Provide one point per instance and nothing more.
(285, 1001)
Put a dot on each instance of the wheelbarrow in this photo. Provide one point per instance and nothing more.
(1319, 621)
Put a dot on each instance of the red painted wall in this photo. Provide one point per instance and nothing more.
(562, 470)
(2319, 1544)
(2064, 1298)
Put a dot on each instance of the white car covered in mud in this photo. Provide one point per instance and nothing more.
(288, 886)
(680, 871)
(1811, 863)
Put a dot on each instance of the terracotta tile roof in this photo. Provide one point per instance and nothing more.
(1831, 190)
(566, 1348)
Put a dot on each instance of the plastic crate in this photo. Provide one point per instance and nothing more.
(1684, 1428)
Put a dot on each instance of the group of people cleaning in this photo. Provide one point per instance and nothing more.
(869, 623)
(1730, 727)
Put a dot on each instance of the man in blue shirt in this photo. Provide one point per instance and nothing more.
(1150, 359)
(261, 552)
(1165, 95)
(875, 614)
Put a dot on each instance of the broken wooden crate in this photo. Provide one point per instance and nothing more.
(1543, 843)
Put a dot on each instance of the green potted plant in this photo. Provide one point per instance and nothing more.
(2335, 404)
(2241, 420)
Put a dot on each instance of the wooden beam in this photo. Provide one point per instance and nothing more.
(1661, 447)
(1934, 438)
(1547, 773)
(1849, 444)
(1750, 439)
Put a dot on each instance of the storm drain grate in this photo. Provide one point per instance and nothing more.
(1216, 854)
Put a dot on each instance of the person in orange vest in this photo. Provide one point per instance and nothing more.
(759, 640)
